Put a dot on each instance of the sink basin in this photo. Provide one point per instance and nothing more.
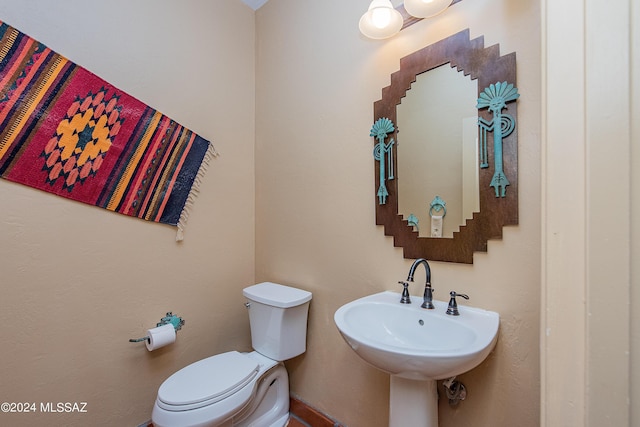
(414, 343)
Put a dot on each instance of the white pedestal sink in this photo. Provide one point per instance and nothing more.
(417, 347)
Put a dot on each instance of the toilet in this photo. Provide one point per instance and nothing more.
(242, 389)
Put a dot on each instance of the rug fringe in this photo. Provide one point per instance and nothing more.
(195, 190)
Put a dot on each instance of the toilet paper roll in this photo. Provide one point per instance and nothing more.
(160, 336)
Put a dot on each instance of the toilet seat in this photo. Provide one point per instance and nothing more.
(208, 381)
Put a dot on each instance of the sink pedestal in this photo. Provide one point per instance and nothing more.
(413, 403)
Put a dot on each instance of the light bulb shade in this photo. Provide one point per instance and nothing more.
(381, 20)
(426, 8)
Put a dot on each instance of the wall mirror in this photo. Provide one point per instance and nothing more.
(438, 155)
(437, 151)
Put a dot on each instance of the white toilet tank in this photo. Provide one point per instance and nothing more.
(278, 318)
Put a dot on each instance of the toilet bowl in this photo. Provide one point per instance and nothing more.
(242, 389)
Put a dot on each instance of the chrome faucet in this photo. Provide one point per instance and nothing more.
(427, 300)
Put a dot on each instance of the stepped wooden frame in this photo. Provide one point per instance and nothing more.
(488, 67)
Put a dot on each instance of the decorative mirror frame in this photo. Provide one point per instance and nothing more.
(488, 67)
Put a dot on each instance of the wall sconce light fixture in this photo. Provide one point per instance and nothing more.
(426, 8)
(382, 20)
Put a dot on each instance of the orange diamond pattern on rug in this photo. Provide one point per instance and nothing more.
(82, 139)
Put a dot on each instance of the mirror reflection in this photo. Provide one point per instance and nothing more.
(437, 152)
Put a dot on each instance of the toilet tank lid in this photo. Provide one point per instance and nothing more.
(276, 295)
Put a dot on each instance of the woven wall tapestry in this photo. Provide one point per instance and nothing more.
(66, 131)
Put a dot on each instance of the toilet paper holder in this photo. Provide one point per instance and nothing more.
(170, 318)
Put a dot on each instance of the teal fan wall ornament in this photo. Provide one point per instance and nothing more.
(496, 97)
(381, 128)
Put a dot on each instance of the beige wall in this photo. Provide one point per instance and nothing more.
(317, 80)
(78, 281)
(635, 214)
(590, 202)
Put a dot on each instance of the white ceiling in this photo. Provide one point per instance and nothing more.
(254, 4)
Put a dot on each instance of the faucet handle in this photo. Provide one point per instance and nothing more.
(456, 294)
(405, 293)
(452, 309)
